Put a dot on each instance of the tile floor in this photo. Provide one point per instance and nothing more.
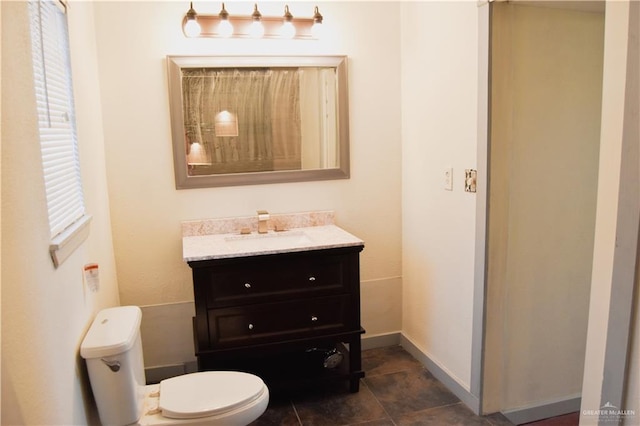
(397, 390)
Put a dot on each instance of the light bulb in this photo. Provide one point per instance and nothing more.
(256, 30)
(192, 28)
(225, 29)
(317, 29)
(288, 30)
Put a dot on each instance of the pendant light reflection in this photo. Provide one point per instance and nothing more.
(226, 124)
(192, 27)
(198, 155)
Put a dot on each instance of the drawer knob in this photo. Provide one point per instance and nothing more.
(314, 318)
(247, 285)
(312, 278)
(250, 326)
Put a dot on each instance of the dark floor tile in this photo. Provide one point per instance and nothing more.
(279, 412)
(407, 391)
(381, 422)
(450, 415)
(572, 419)
(397, 391)
(498, 419)
(333, 406)
(389, 359)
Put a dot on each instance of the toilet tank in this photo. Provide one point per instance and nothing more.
(112, 349)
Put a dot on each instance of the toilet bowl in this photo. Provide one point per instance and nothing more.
(112, 349)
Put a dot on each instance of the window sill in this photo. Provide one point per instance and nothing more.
(69, 240)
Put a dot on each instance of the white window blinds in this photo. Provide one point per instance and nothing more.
(56, 115)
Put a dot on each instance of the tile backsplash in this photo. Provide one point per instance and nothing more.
(233, 225)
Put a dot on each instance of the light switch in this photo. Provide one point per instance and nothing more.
(448, 179)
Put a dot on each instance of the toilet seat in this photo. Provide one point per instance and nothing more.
(208, 393)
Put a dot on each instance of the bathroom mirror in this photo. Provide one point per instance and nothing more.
(244, 120)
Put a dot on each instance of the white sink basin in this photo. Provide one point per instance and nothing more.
(268, 242)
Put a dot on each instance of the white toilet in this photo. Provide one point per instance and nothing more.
(112, 349)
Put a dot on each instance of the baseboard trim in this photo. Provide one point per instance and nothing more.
(380, 340)
(544, 411)
(458, 390)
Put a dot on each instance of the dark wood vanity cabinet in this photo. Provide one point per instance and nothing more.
(279, 315)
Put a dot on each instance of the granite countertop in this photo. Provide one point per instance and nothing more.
(219, 246)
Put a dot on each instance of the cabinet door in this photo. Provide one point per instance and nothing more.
(230, 327)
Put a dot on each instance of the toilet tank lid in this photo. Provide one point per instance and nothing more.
(113, 331)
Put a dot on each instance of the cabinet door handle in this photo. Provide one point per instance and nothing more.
(247, 285)
(312, 278)
(250, 326)
(314, 318)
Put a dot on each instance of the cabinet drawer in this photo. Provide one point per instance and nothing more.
(279, 321)
(268, 280)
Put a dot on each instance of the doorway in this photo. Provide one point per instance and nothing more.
(545, 104)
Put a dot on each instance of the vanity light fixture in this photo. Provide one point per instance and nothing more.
(191, 27)
(255, 25)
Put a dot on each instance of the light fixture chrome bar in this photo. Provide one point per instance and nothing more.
(209, 25)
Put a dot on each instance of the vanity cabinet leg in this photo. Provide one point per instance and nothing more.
(355, 364)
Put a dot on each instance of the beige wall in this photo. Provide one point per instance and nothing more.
(439, 108)
(45, 311)
(547, 74)
(147, 209)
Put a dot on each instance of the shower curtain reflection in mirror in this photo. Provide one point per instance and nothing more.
(240, 121)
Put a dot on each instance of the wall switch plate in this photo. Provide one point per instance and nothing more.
(448, 179)
(470, 177)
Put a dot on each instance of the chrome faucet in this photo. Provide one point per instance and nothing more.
(263, 217)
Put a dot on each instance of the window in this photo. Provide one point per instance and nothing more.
(56, 121)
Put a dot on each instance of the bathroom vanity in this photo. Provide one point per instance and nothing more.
(283, 305)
